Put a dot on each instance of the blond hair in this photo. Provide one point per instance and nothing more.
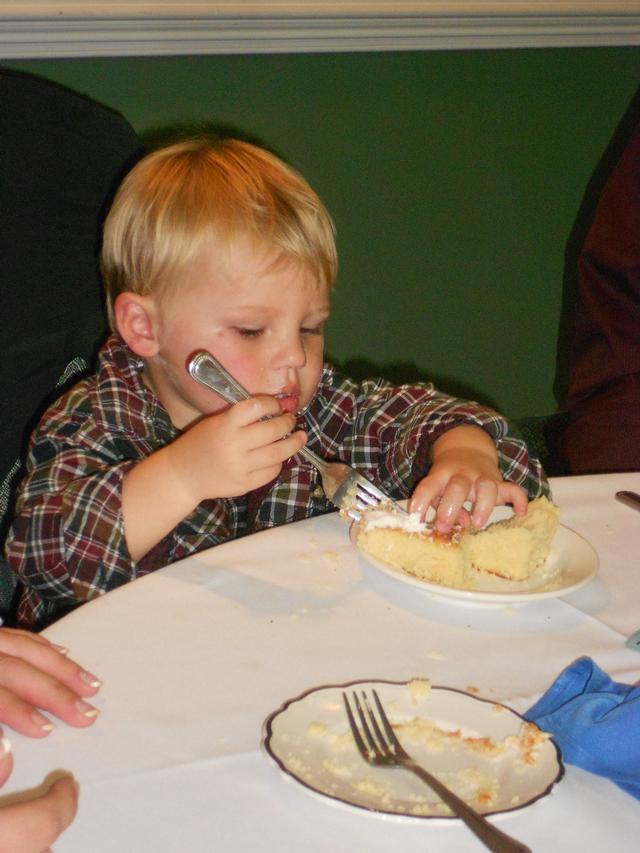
(180, 196)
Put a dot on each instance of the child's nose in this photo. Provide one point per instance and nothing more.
(292, 353)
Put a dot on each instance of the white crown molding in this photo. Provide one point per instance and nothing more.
(69, 29)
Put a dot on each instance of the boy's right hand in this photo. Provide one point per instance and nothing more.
(232, 452)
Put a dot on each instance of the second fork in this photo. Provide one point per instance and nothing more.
(380, 747)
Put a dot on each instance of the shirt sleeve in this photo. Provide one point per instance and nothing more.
(66, 542)
(388, 432)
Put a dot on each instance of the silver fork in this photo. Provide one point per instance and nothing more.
(379, 746)
(344, 486)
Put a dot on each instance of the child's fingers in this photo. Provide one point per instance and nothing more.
(33, 826)
(426, 495)
(24, 689)
(275, 452)
(486, 494)
(456, 492)
(257, 408)
(262, 433)
(511, 493)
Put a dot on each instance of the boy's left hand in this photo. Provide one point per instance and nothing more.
(465, 469)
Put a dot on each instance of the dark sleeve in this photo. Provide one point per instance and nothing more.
(603, 396)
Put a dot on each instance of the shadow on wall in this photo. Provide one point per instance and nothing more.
(539, 432)
(585, 216)
(407, 372)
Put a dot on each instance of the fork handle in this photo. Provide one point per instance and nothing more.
(492, 837)
(208, 371)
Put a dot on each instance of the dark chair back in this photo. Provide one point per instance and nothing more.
(62, 157)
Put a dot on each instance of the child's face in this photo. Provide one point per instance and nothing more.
(260, 315)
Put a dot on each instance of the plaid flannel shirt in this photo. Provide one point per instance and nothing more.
(67, 541)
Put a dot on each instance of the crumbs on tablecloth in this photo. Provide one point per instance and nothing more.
(331, 557)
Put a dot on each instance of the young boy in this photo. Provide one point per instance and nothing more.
(218, 245)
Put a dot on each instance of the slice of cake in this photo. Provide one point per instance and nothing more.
(516, 547)
(513, 549)
(406, 543)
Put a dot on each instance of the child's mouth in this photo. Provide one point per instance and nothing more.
(288, 402)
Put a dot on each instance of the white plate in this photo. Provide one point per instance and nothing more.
(571, 564)
(309, 739)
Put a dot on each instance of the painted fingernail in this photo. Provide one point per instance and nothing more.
(5, 747)
(43, 722)
(85, 708)
(89, 679)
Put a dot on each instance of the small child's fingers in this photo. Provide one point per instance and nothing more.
(425, 496)
(511, 493)
(257, 408)
(464, 518)
(274, 429)
(277, 452)
(452, 502)
(486, 494)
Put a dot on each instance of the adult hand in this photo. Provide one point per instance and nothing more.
(31, 827)
(36, 676)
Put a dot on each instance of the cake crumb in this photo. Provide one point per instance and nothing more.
(337, 769)
(418, 687)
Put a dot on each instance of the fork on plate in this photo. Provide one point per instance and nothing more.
(379, 746)
(345, 487)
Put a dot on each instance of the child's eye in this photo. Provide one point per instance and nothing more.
(316, 330)
(249, 333)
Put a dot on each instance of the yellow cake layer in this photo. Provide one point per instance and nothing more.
(512, 549)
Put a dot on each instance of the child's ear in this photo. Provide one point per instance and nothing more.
(135, 319)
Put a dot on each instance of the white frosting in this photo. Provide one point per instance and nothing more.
(410, 523)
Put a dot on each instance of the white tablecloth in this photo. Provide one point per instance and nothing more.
(194, 658)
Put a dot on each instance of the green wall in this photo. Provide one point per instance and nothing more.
(454, 179)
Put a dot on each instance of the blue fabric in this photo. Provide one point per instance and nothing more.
(595, 721)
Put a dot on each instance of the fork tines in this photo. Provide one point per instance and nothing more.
(375, 740)
(369, 495)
